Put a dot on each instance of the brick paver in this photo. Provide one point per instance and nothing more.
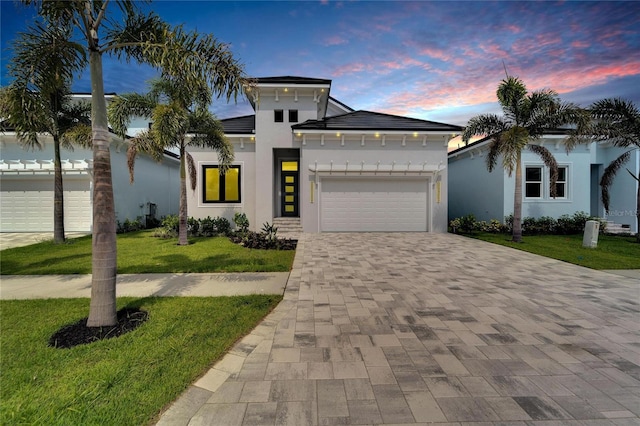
(421, 328)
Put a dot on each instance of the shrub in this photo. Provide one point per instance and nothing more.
(494, 226)
(241, 221)
(171, 223)
(263, 241)
(129, 225)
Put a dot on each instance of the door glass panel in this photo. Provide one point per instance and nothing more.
(288, 199)
(289, 179)
(288, 208)
(289, 166)
(288, 188)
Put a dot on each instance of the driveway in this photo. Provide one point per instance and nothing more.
(412, 328)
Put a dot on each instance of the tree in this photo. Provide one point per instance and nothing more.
(617, 121)
(526, 118)
(143, 37)
(37, 101)
(180, 117)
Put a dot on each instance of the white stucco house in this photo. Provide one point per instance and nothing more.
(306, 156)
(473, 190)
(26, 185)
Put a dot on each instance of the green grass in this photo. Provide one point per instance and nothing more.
(140, 252)
(122, 381)
(613, 252)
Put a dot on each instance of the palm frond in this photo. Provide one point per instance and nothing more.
(511, 93)
(495, 148)
(513, 141)
(123, 107)
(481, 125)
(618, 121)
(78, 135)
(609, 174)
(170, 125)
(45, 58)
(550, 161)
(192, 171)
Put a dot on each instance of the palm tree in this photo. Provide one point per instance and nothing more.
(181, 118)
(617, 121)
(143, 37)
(526, 118)
(37, 101)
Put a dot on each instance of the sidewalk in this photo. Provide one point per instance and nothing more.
(143, 285)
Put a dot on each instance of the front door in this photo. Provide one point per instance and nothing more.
(289, 188)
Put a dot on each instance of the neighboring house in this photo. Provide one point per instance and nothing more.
(473, 190)
(26, 185)
(306, 156)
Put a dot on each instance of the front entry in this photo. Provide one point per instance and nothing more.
(289, 188)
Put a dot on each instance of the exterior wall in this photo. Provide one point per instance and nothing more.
(578, 188)
(245, 156)
(473, 190)
(154, 182)
(490, 195)
(433, 153)
(623, 191)
(271, 135)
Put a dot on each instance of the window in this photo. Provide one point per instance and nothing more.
(561, 183)
(293, 116)
(533, 182)
(221, 188)
(278, 116)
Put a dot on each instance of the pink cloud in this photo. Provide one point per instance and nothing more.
(579, 44)
(334, 41)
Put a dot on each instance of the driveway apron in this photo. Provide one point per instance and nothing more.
(406, 328)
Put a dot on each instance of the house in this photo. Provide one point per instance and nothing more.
(26, 185)
(306, 156)
(473, 190)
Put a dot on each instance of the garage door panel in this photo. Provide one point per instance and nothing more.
(375, 204)
(27, 205)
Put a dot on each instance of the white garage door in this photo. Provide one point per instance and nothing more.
(27, 205)
(373, 204)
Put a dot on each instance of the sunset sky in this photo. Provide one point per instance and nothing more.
(439, 61)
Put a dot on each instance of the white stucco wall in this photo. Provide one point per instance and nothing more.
(245, 156)
(270, 135)
(154, 182)
(434, 153)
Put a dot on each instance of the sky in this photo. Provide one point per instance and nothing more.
(433, 60)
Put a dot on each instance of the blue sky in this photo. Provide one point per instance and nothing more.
(439, 61)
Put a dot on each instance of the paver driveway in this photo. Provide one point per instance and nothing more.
(418, 328)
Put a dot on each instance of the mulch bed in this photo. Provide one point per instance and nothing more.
(79, 334)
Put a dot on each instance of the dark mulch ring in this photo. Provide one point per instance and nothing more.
(79, 334)
(255, 240)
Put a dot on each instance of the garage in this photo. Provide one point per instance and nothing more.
(27, 204)
(374, 204)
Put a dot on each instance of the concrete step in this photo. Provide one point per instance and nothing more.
(288, 227)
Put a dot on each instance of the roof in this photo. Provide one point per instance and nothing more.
(292, 80)
(367, 120)
(486, 139)
(343, 105)
(239, 125)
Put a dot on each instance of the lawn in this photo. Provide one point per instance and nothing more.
(613, 252)
(122, 381)
(140, 252)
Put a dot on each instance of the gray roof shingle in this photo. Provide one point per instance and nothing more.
(367, 120)
(239, 125)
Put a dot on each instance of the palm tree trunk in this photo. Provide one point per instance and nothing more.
(517, 202)
(58, 194)
(102, 310)
(182, 226)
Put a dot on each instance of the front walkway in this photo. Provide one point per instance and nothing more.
(417, 328)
